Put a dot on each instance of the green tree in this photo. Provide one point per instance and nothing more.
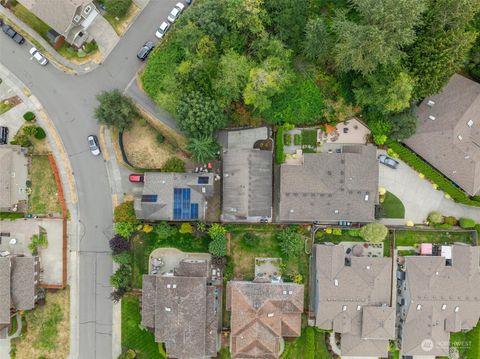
(245, 16)
(373, 232)
(122, 277)
(124, 229)
(291, 242)
(164, 230)
(118, 8)
(199, 115)
(203, 149)
(174, 164)
(218, 247)
(403, 124)
(186, 228)
(388, 90)
(115, 109)
(435, 218)
(442, 45)
(466, 223)
(232, 75)
(318, 41)
(125, 212)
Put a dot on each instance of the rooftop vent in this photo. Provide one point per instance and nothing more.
(419, 307)
(457, 309)
(167, 309)
(329, 173)
(368, 267)
(470, 123)
(344, 308)
(359, 307)
(174, 286)
(460, 137)
(270, 315)
(291, 211)
(336, 211)
(335, 281)
(284, 292)
(430, 103)
(467, 157)
(168, 286)
(444, 306)
(290, 292)
(431, 117)
(366, 197)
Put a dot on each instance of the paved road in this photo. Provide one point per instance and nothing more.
(70, 102)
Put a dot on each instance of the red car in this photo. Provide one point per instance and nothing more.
(136, 177)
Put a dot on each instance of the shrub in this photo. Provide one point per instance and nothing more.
(118, 244)
(250, 239)
(216, 230)
(337, 232)
(373, 232)
(174, 164)
(287, 139)
(122, 258)
(444, 184)
(90, 47)
(297, 139)
(125, 212)
(203, 148)
(354, 232)
(122, 277)
(309, 349)
(452, 221)
(291, 242)
(147, 228)
(443, 225)
(164, 230)
(466, 223)
(435, 218)
(218, 247)
(185, 228)
(118, 8)
(160, 138)
(124, 229)
(40, 133)
(29, 116)
(279, 154)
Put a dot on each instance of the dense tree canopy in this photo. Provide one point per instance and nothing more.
(115, 109)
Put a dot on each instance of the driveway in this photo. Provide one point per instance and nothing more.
(418, 195)
(104, 35)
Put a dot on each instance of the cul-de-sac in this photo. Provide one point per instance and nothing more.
(239, 179)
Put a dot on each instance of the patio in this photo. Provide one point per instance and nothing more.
(350, 131)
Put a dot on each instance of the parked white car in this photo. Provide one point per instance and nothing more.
(42, 60)
(175, 13)
(162, 29)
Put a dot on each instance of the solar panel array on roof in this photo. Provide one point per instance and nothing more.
(202, 180)
(149, 198)
(182, 207)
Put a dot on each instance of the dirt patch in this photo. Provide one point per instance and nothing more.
(142, 148)
(29, 343)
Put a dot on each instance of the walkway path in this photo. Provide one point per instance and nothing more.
(419, 197)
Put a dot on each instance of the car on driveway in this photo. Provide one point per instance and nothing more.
(162, 29)
(7, 29)
(388, 161)
(136, 178)
(145, 50)
(175, 13)
(93, 145)
(3, 135)
(42, 60)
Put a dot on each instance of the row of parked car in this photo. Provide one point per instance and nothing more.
(19, 39)
(162, 30)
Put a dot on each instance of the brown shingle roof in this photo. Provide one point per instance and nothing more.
(330, 186)
(451, 142)
(262, 313)
(348, 295)
(435, 291)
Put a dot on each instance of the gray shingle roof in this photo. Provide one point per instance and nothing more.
(182, 311)
(4, 290)
(56, 13)
(348, 295)
(456, 112)
(330, 186)
(262, 313)
(13, 176)
(163, 184)
(435, 291)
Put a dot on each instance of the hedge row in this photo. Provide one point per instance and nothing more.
(279, 154)
(444, 184)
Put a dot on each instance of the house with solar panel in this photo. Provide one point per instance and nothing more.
(174, 196)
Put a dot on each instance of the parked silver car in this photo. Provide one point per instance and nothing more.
(42, 60)
(93, 145)
(175, 13)
(162, 29)
(388, 161)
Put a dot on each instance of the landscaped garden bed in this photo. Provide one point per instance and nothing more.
(467, 344)
(310, 344)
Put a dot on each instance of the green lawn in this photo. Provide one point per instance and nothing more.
(143, 244)
(11, 215)
(467, 344)
(34, 22)
(412, 237)
(392, 207)
(44, 196)
(310, 345)
(309, 140)
(141, 341)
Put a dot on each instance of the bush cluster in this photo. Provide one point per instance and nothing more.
(279, 154)
(29, 116)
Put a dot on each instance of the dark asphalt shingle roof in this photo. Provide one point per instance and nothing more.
(330, 186)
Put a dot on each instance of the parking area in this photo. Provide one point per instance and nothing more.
(16, 236)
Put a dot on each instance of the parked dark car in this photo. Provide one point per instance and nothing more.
(3, 135)
(136, 178)
(7, 29)
(145, 50)
(388, 161)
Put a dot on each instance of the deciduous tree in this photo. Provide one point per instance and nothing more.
(115, 109)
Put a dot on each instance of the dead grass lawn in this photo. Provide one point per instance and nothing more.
(36, 320)
(142, 148)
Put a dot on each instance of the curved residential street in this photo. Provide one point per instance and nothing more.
(69, 102)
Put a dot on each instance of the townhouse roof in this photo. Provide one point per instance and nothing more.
(261, 314)
(330, 186)
(448, 132)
